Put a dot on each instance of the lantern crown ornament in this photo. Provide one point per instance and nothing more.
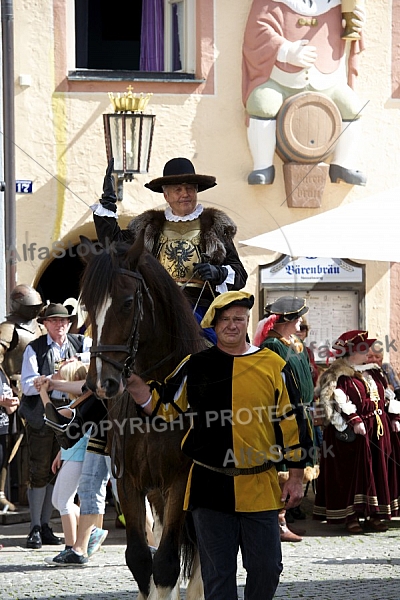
(129, 102)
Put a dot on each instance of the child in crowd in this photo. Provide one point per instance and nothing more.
(69, 464)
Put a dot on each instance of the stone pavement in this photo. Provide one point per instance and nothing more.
(326, 565)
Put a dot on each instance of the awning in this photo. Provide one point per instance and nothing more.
(367, 229)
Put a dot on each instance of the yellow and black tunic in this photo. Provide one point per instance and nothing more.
(241, 418)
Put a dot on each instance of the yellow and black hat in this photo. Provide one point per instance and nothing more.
(223, 302)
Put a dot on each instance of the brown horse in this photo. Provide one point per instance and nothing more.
(142, 322)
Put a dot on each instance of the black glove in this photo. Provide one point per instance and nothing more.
(211, 273)
(108, 198)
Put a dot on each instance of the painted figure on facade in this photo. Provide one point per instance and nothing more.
(293, 46)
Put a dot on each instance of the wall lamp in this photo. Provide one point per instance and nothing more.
(128, 135)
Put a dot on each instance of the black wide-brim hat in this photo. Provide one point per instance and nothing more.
(287, 308)
(180, 170)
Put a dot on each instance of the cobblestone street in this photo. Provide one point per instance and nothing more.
(327, 565)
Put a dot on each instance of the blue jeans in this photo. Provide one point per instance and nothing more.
(219, 537)
(93, 483)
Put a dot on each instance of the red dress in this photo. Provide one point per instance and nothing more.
(358, 478)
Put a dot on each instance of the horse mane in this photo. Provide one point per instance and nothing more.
(97, 281)
(173, 312)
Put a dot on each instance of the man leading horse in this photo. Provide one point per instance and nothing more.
(194, 244)
(241, 421)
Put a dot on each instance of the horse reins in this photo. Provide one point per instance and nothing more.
(201, 291)
(132, 344)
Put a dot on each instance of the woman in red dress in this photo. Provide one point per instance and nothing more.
(356, 476)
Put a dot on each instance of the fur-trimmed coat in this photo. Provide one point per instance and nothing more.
(327, 384)
(334, 400)
(217, 231)
(360, 478)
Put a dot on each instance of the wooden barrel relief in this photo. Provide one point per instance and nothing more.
(308, 126)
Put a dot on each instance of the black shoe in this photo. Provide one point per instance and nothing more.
(34, 539)
(262, 176)
(352, 177)
(48, 536)
(67, 558)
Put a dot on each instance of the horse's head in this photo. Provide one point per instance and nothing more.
(113, 293)
(140, 318)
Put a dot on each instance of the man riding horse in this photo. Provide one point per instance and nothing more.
(194, 244)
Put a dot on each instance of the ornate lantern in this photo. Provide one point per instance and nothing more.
(129, 135)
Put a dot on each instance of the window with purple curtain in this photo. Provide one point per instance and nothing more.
(176, 47)
(152, 36)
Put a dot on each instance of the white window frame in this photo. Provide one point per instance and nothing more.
(70, 33)
(188, 38)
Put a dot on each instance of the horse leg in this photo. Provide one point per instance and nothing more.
(195, 589)
(156, 501)
(137, 555)
(166, 561)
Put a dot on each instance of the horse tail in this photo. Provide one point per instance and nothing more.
(188, 546)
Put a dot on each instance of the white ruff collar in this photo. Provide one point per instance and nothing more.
(175, 218)
(367, 367)
(310, 7)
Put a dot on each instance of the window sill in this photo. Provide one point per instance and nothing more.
(104, 75)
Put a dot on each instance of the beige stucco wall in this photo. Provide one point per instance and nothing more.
(60, 143)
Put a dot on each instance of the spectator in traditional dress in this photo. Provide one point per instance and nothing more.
(357, 484)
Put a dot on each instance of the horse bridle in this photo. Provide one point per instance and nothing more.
(132, 344)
